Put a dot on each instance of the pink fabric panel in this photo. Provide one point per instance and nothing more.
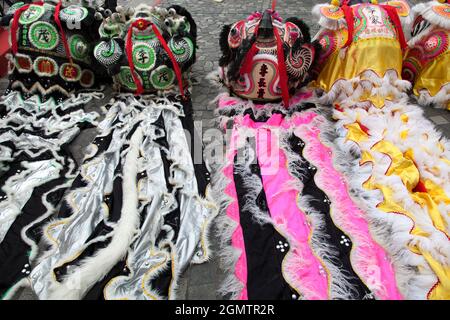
(301, 267)
(237, 239)
(368, 258)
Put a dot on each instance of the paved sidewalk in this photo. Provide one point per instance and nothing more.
(201, 281)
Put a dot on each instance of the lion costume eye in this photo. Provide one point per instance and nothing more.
(236, 35)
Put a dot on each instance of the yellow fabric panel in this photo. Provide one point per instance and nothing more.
(376, 54)
(433, 76)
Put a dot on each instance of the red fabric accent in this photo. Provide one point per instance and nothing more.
(420, 187)
(349, 18)
(142, 24)
(274, 4)
(393, 15)
(129, 51)
(246, 66)
(15, 24)
(338, 107)
(282, 69)
(364, 128)
(172, 58)
(61, 30)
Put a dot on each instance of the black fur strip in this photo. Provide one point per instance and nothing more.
(303, 27)
(235, 65)
(183, 12)
(226, 57)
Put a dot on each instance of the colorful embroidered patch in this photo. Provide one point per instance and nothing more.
(108, 53)
(126, 79)
(43, 35)
(87, 79)
(73, 13)
(32, 14)
(23, 63)
(70, 72)
(45, 67)
(162, 77)
(144, 56)
(78, 47)
(182, 48)
(332, 12)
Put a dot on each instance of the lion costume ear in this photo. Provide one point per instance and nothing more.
(302, 26)
(329, 16)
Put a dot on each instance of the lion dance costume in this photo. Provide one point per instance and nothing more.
(42, 112)
(400, 171)
(289, 226)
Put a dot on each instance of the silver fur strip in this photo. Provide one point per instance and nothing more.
(19, 187)
(145, 259)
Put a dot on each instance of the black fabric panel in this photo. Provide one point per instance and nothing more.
(305, 171)
(195, 143)
(265, 280)
(14, 252)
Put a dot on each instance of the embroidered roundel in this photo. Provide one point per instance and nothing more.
(126, 79)
(43, 35)
(162, 77)
(332, 12)
(435, 44)
(23, 63)
(87, 78)
(183, 49)
(78, 47)
(45, 67)
(144, 56)
(70, 72)
(442, 10)
(108, 53)
(73, 13)
(32, 14)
